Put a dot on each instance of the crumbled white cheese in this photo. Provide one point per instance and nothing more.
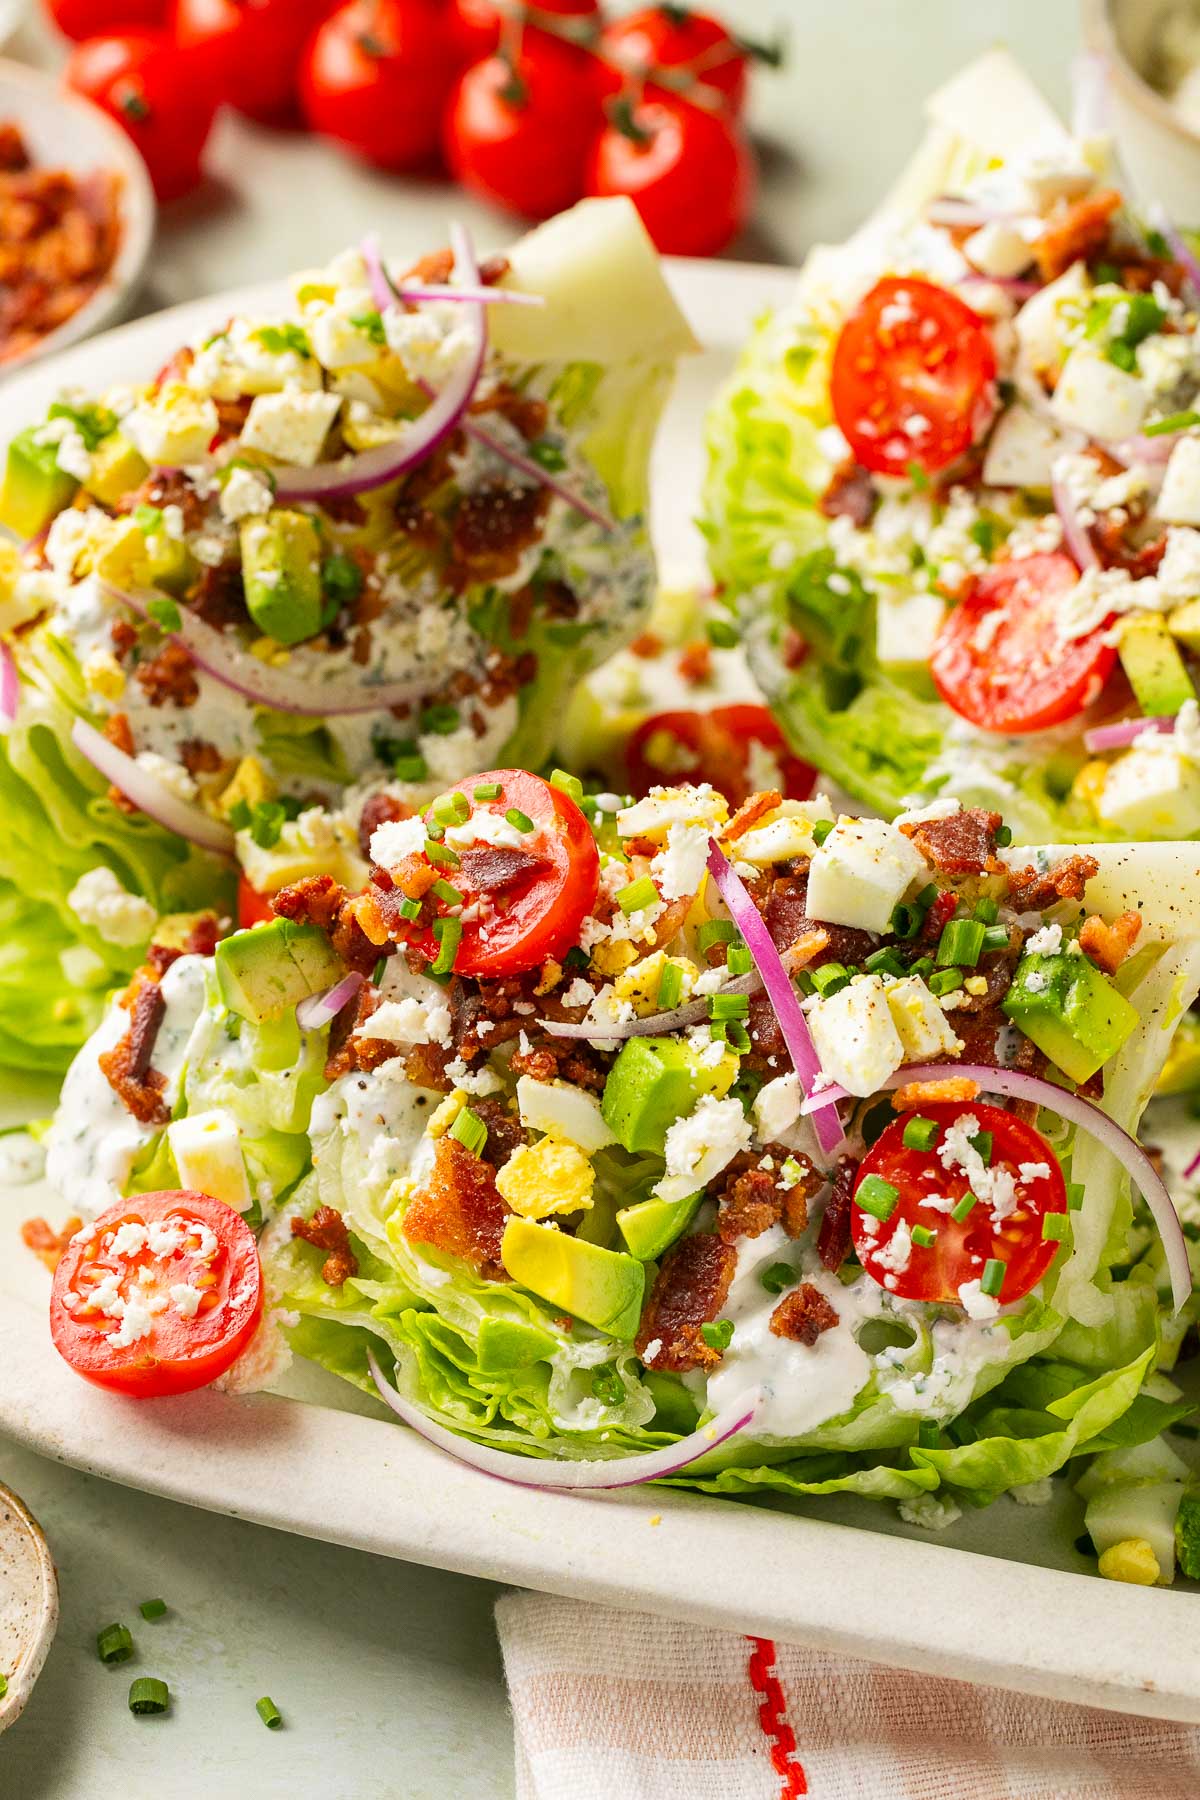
(975, 1303)
(292, 426)
(663, 807)
(1179, 499)
(186, 1299)
(484, 827)
(855, 1037)
(395, 840)
(407, 1021)
(1045, 942)
(860, 872)
(777, 1106)
(1178, 574)
(245, 495)
(700, 1145)
(679, 867)
(119, 917)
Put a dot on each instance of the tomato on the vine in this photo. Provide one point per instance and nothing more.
(159, 1296)
(717, 746)
(518, 130)
(152, 89)
(1000, 660)
(477, 25)
(914, 377)
(80, 19)
(249, 50)
(253, 908)
(376, 77)
(938, 1253)
(517, 876)
(691, 46)
(690, 172)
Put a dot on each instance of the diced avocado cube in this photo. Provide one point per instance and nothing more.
(512, 1344)
(1187, 1535)
(1150, 658)
(1181, 1071)
(263, 971)
(117, 469)
(654, 1082)
(604, 1288)
(35, 488)
(1184, 623)
(1070, 1010)
(281, 568)
(652, 1226)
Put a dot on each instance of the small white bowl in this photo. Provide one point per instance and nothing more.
(67, 132)
(1162, 152)
(28, 1604)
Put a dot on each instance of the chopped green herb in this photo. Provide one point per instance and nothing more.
(945, 981)
(884, 962)
(923, 1236)
(962, 1211)
(269, 1713)
(440, 720)
(1171, 422)
(607, 1386)
(372, 327)
(449, 896)
(995, 937)
(728, 1006)
(148, 519)
(821, 831)
(777, 1276)
(985, 533)
(488, 790)
(992, 1279)
(411, 768)
(518, 820)
(380, 969)
(548, 455)
(114, 1644)
(3, 1686)
(961, 942)
(1003, 837)
(830, 978)
(152, 1609)
(739, 960)
(721, 634)
(279, 339)
(987, 910)
(718, 1336)
(737, 1037)
(919, 1133)
(716, 931)
(93, 423)
(929, 1434)
(670, 987)
(441, 855)
(637, 895)
(982, 1141)
(165, 612)
(877, 1196)
(916, 474)
(1056, 1227)
(341, 579)
(922, 967)
(906, 920)
(470, 1131)
(409, 908)
(567, 784)
(448, 933)
(450, 809)
(148, 1696)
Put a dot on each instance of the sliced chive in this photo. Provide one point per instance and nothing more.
(152, 1609)
(919, 1133)
(829, 978)
(1177, 421)
(717, 931)
(441, 855)
(728, 1006)
(884, 962)
(995, 937)
(488, 790)
(440, 721)
(982, 1141)
(721, 634)
(922, 967)
(1074, 1195)
(518, 820)
(410, 909)
(739, 960)
(923, 1236)
(777, 1276)
(638, 895)
(269, 1713)
(929, 1434)
(821, 831)
(670, 987)
(927, 896)
(165, 612)
(987, 910)
(567, 784)
(737, 1036)
(448, 933)
(1056, 1227)
(718, 1336)
(944, 981)
(877, 1196)
(575, 958)
(962, 1211)
(906, 920)
(992, 1279)
(149, 1695)
(450, 896)
(470, 1131)
(451, 809)
(1003, 837)
(961, 942)
(411, 768)
(114, 1644)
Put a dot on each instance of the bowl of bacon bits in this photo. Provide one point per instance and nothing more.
(76, 218)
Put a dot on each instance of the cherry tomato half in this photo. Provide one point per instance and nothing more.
(518, 130)
(253, 908)
(961, 1248)
(475, 25)
(690, 173)
(716, 746)
(999, 660)
(249, 49)
(688, 44)
(90, 18)
(376, 78)
(532, 896)
(141, 1266)
(153, 91)
(914, 377)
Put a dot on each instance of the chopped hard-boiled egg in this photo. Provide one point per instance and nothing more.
(855, 1035)
(922, 1025)
(551, 1176)
(174, 428)
(1179, 501)
(640, 983)
(564, 1111)
(688, 804)
(1151, 791)
(784, 833)
(1098, 398)
(291, 427)
(208, 1157)
(860, 872)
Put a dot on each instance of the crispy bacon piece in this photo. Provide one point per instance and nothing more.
(119, 732)
(46, 1243)
(646, 645)
(962, 844)
(695, 663)
(199, 757)
(495, 869)
(1033, 890)
(851, 494)
(126, 1067)
(460, 1210)
(524, 413)
(1080, 230)
(1109, 945)
(438, 266)
(803, 1315)
(752, 1199)
(493, 527)
(321, 901)
(833, 1239)
(218, 595)
(505, 1132)
(689, 1292)
(561, 1059)
(934, 1093)
(787, 920)
(346, 1051)
(750, 812)
(939, 916)
(59, 233)
(425, 1067)
(169, 678)
(326, 1230)
(485, 1014)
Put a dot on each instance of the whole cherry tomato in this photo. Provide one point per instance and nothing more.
(476, 24)
(152, 89)
(249, 49)
(690, 46)
(376, 77)
(690, 172)
(89, 18)
(518, 130)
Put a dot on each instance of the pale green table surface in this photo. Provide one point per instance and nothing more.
(389, 1676)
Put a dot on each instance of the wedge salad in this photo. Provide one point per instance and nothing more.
(954, 489)
(325, 561)
(609, 1140)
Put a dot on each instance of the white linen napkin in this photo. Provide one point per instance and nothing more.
(620, 1706)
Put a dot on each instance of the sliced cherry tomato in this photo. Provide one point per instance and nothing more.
(376, 78)
(999, 660)
(716, 746)
(90, 18)
(137, 1272)
(153, 91)
(962, 1248)
(690, 45)
(530, 898)
(476, 24)
(253, 908)
(518, 129)
(914, 377)
(690, 173)
(249, 49)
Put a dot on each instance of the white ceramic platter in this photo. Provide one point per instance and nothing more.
(1002, 1597)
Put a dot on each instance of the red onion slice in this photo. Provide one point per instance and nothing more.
(780, 993)
(593, 1474)
(225, 659)
(10, 689)
(1088, 1117)
(1116, 737)
(323, 1009)
(148, 794)
(1151, 451)
(1192, 1167)
(374, 468)
(1076, 541)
